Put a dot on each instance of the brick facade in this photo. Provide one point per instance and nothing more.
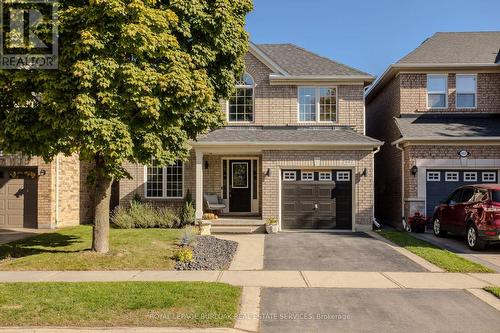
(62, 198)
(413, 89)
(406, 93)
(278, 105)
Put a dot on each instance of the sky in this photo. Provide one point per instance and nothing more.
(368, 35)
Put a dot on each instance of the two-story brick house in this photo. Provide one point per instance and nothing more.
(438, 112)
(294, 147)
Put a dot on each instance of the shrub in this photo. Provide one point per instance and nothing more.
(122, 219)
(184, 254)
(187, 212)
(144, 215)
(272, 221)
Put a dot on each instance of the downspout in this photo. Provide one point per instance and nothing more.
(402, 179)
(373, 171)
(57, 189)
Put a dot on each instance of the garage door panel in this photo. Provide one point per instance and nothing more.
(18, 201)
(325, 192)
(306, 191)
(317, 204)
(291, 207)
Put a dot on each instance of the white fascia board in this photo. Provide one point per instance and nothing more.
(266, 60)
(340, 78)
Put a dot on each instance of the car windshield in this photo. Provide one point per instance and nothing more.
(495, 196)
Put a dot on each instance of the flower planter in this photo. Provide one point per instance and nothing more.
(271, 228)
(204, 227)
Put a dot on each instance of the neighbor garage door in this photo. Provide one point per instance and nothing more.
(316, 199)
(441, 183)
(18, 206)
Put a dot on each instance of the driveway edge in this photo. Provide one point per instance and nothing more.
(486, 297)
(419, 260)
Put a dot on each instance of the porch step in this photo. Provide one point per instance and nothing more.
(238, 229)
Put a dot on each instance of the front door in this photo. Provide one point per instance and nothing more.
(240, 190)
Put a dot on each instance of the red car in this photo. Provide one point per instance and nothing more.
(473, 211)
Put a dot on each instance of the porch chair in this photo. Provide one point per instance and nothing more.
(213, 202)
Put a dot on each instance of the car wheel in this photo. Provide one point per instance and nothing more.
(436, 227)
(473, 240)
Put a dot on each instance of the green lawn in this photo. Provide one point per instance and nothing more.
(69, 249)
(494, 290)
(119, 304)
(445, 259)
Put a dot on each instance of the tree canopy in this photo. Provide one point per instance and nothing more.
(136, 80)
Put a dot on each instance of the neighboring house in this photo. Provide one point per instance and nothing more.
(438, 112)
(35, 194)
(294, 147)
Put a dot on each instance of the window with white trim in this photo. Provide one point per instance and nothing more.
(433, 176)
(317, 104)
(241, 104)
(289, 175)
(470, 176)
(466, 85)
(437, 91)
(489, 176)
(343, 176)
(306, 175)
(451, 176)
(325, 176)
(165, 182)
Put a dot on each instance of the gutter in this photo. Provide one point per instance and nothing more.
(446, 139)
(341, 78)
(284, 144)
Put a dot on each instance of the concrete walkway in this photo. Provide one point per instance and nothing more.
(272, 279)
(250, 253)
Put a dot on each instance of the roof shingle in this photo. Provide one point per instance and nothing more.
(440, 126)
(286, 135)
(457, 48)
(299, 62)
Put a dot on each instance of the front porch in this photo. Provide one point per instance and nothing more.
(236, 181)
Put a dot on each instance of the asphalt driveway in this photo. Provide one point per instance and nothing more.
(333, 252)
(369, 310)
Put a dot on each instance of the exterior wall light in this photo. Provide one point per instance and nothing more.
(268, 172)
(206, 164)
(414, 170)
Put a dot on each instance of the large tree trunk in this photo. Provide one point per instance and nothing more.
(100, 240)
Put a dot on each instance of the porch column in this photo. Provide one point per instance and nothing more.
(199, 184)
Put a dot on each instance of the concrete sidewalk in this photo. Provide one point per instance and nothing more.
(272, 279)
(116, 330)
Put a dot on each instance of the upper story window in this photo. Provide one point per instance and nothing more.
(466, 91)
(241, 104)
(317, 104)
(165, 182)
(437, 87)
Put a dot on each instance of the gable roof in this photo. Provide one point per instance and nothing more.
(457, 48)
(446, 50)
(299, 62)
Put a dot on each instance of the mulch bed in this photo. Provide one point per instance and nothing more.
(210, 253)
